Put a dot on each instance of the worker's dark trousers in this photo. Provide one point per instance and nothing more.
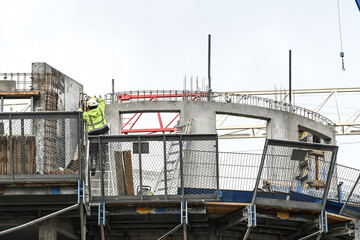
(94, 148)
(93, 153)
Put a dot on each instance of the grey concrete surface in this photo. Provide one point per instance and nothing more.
(7, 85)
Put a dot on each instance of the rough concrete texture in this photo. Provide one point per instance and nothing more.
(68, 89)
(7, 85)
(280, 124)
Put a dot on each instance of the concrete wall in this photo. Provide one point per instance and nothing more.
(68, 88)
(280, 124)
(68, 91)
(7, 85)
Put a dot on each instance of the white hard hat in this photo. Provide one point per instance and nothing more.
(92, 102)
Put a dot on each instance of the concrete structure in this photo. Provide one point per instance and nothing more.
(66, 209)
(281, 124)
(67, 89)
(7, 86)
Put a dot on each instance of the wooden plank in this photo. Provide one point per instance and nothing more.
(337, 217)
(226, 204)
(20, 94)
(129, 180)
(119, 173)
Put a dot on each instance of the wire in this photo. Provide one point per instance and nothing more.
(342, 55)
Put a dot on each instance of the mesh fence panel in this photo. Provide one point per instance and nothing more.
(40, 144)
(199, 167)
(157, 170)
(343, 181)
(238, 171)
(296, 174)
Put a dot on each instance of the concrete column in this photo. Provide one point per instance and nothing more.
(47, 230)
(199, 156)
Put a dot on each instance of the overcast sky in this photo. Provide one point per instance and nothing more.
(154, 44)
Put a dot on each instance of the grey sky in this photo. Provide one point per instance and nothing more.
(154, 44)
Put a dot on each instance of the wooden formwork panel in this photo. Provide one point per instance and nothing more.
(24, 155)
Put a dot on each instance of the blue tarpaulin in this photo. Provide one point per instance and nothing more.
(358, 3)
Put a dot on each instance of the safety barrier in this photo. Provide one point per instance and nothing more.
(154, 167)
(41, 146)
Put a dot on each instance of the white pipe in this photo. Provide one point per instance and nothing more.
(39, 219)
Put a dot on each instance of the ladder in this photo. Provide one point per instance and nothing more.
(172, 165)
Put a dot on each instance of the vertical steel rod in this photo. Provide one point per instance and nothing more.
(209, 66)
(101, 171)
(290, 90)
(113, 90)
(140, 170)
(102, 231)
(80, 147)
(217, 170)
(22, 146)
(185, 231)
(11, 148)
(82, 220)
(165, 170)
(181, 166)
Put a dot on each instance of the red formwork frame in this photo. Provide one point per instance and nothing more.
(154, 97)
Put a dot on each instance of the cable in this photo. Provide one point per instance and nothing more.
(342, 55)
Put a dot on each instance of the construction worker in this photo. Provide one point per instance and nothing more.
(95, 125)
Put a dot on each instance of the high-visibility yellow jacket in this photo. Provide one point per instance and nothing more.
(95, 118)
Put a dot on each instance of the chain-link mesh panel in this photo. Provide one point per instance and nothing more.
(153, 167)
(37, 143)
(199, 167)
(354, 199)
(238, 171)
(295, 174)
(344, 178)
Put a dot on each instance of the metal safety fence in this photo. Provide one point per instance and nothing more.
(41, 146)
(153, 167)
(238, 171)
(295, 172)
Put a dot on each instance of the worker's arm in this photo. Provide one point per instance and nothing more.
(101, 105)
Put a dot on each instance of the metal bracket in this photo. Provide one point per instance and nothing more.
(101, 214)
(323, 225)
(184, 213)
(81, 191)
(250, 212)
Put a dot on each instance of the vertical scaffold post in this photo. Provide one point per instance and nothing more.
(140, 170)
(165, 169)
(11, 148)
(101, 219)
(101, 171)
(181, 167)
